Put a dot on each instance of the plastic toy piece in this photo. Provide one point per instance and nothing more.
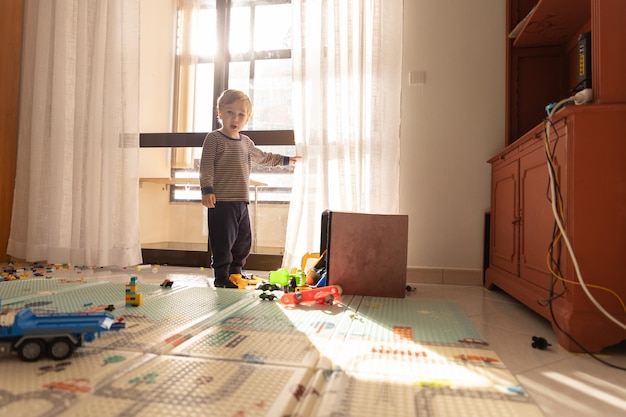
(540, 343)
(268, 289)
(133, 297)
(306, 258)
(280, 277)
(57, 335)
(266, 286)
(267, 296)
(167, 283)
(317, 271)
(242, 282)
(312, 277)
(471, 340)
(321, 295)
(284, 277)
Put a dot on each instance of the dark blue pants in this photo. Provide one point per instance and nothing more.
(230, 237)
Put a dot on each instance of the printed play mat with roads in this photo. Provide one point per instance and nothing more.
(197, 351)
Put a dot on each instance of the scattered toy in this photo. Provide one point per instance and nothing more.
(471, 340)
(321, 295)
(266, 286)
(283, 277)
(133, 297)
(540, 343)
(268, 296)
(268, 289)
(58, 334)
(242, 281)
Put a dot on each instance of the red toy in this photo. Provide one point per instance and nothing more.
(320, 295)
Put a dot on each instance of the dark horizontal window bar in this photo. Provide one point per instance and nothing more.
(196, 139)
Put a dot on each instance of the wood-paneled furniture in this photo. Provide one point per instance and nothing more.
(10, 60)
(589, 143)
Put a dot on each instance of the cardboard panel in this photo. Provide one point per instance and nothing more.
(367, 253)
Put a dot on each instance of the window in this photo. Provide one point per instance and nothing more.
(241, 44)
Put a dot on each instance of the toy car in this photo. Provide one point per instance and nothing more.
(32, 335)
(167, 283)
(267, 296)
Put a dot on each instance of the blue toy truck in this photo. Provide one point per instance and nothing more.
(57, 335)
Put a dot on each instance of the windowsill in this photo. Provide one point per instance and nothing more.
(189, 181)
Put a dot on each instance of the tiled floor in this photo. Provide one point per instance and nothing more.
(562, 383)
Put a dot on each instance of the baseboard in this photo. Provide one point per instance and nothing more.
(255, 262)
(450, 276)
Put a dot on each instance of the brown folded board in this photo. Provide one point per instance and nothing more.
(366, 253)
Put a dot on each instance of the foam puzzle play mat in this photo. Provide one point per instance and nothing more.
(188, 349)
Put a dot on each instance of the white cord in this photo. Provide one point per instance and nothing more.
(582, 97)
(562, 229)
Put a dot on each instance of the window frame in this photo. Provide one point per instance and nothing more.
(223, 57)
(221, 63)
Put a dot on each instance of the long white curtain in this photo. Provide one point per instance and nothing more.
(347, 76)
(76, 192)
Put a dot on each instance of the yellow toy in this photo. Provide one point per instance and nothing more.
(133, 298)
(242, 282)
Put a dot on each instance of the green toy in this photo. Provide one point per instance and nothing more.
(282, 276)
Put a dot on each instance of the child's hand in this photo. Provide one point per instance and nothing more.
(294, 159)
(208, 200)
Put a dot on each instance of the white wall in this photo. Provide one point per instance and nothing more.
(157, 39)
(451, 125)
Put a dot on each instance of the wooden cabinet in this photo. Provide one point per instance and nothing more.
(521, 213)
(590, 160)
(589, 147)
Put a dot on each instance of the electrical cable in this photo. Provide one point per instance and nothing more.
(557, 217)
(556, 237)
(560, 235)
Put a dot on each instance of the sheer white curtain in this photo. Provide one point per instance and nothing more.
(347, 76)
(76, 192)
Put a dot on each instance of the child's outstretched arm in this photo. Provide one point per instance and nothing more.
(294, 159)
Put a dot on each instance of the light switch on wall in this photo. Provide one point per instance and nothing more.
(417, 77)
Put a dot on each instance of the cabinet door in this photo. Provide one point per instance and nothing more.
(537, 219)
(505, 217)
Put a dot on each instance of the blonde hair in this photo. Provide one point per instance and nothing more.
(233, 96)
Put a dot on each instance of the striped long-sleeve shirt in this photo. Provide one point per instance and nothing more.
(225, 165)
